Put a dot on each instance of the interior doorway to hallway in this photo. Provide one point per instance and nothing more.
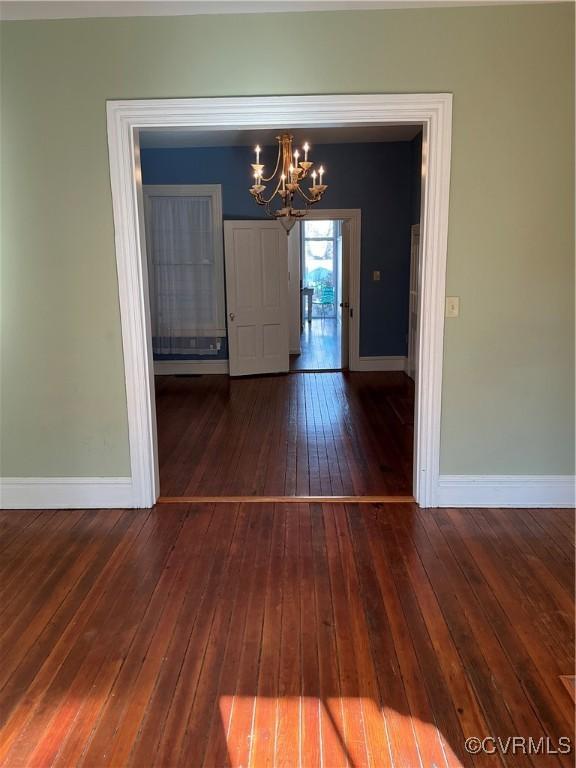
(125, 121)
(323, 297)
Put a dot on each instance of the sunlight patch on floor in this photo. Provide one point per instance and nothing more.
(339, 732)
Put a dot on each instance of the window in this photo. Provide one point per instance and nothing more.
(321, 241)
(185, 269)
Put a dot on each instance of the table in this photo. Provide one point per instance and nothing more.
(307, 293)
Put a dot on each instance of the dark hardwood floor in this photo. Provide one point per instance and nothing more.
(303, 434)
(288, 635)
(320, 346)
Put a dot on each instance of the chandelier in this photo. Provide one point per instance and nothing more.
(286, 180)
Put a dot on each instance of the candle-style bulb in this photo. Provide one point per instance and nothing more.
(306, 147)
(257, 150)
(321, 173)
(296, 156)
(314, 178)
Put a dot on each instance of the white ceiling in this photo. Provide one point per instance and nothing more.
(187, 137)
(72, 9)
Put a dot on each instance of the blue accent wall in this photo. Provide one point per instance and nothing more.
(377, 178)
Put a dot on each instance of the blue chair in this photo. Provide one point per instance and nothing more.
(325, 299)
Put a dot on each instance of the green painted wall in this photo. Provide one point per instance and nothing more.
(508, 378)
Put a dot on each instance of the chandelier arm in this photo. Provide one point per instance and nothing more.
(273, 195)
(309, 200)
(277, 165)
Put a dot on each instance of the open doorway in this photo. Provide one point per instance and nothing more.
(431, 112)
(233, 299)
(324, 296)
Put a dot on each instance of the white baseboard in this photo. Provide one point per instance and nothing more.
(453, 491)
(175, 367)
(388, 363)
(66, 492)
(506, 491)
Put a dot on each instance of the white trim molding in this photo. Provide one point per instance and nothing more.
(506, 491)
(431, 110)
(65, 492)
(382, 363)
(192, 367)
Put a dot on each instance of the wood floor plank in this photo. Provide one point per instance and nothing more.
(320, 346)
(14, 568)
(352, 705)
(296, 635)
(221, 642)
(538, 567)
(16, 524)
(533, 675)
(461, 692)
(305, 434)
(332, 730)
(230, 735)
(390, 694)
(263, 732)
(535, 536)
(60, 638)
(17, 537)
(505, 705)
(80, 661)
(287, 738)
(494, 568)
(432, 747)
(172, 737)
(498, 668)
(446, 711)
(310, 669)
(539, 601)
(139, 682)
(200, 575)
(24, 622)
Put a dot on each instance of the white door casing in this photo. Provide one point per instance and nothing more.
(431, 110)
(294, 285)
(256, 259)
(412, 361)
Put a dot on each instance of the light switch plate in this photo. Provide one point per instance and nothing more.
(452, 306)
(376, 275)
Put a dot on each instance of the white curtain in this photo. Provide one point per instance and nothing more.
(182, 275)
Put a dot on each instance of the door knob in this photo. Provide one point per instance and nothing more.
(344, 304)
(231, 315)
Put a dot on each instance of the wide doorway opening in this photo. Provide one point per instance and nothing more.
(281, 358)
(259, 346)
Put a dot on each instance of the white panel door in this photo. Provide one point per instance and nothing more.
(256, 257)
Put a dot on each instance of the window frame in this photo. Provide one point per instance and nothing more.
(214, 191)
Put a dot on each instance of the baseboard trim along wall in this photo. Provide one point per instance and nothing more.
(506, 491)
(66, 492)
(453, 491)
(183, 367)
(388, 363)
